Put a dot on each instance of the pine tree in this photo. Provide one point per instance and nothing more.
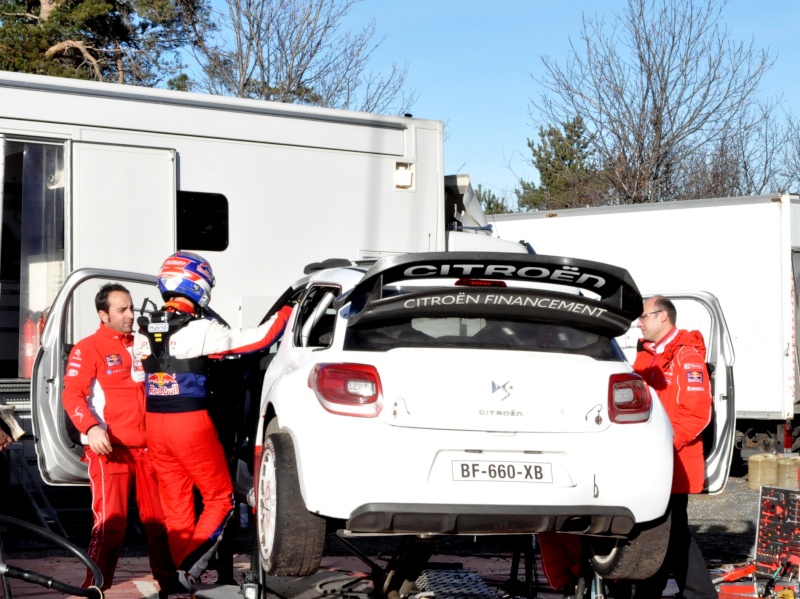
(124, 41)
(567, 172)
(490, 203)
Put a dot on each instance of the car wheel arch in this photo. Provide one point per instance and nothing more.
(272, 425)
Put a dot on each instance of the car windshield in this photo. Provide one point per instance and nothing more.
(481, 333)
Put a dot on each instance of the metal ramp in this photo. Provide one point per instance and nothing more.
(453, 584)
(431, 584)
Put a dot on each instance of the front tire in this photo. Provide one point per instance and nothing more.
(290, 538)
(636, 558)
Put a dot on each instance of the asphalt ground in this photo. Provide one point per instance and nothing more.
(724, 526)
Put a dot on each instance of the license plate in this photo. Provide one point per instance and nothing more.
(522, 472)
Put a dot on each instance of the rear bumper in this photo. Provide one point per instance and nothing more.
(386, 518)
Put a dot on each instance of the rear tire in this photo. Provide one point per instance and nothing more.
(290, 538)
(636, 558)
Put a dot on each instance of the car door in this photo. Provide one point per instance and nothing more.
(701, 311)
(71, 317)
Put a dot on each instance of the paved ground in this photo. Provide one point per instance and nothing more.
(724, 527)
(484, 571)
(133, 580)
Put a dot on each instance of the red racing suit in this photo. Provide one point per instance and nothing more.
(182, 439)
(102, 388)
(675, 367)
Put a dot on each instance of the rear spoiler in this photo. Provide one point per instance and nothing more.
(612, 284)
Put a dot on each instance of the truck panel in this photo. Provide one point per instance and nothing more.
(739, 249)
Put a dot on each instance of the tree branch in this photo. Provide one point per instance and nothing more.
(62, 47)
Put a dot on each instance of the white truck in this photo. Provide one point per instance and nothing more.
(744, 251)
(116, 177)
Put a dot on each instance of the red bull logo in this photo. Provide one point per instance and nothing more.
(113, 360)
(162, 383)
(694, 376)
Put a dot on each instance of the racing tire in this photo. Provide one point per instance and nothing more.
(636, 558)
(290, 538)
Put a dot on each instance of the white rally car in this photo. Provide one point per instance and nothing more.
(437, 394)
(462, 394)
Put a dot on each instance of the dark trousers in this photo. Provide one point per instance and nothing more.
(683, 560)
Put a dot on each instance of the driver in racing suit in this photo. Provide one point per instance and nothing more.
(174, 345)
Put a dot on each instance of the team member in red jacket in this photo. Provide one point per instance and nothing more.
(672, 361)
(174, 344)
(104, 398)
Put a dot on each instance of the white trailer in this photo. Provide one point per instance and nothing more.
(745, 251)
(115, 177)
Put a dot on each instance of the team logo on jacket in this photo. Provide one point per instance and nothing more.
(161, 383)
(694, 376)
(77, 415)
(114, 360)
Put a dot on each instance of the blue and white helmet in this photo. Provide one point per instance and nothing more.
(188, 275)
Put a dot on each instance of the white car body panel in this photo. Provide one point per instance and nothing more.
(414, 466)
(433, 404)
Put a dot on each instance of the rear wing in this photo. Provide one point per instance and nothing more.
(617, 292)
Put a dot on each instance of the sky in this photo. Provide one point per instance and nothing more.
(472, 64)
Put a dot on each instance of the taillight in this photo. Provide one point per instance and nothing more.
(628, 398)
(348, 389)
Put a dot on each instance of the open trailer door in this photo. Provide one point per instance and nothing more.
(72, 317)
(701, 311)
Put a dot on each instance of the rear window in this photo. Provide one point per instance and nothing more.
(481, 333)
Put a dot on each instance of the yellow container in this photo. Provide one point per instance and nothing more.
(762, 471)
(787, 472)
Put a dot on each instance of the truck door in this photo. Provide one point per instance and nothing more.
(123, 210)
(32, 195)
(119, 213)
(72, 317)
(701, 311)
(123, 206)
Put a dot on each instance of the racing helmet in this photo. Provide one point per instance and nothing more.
(188, 275)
